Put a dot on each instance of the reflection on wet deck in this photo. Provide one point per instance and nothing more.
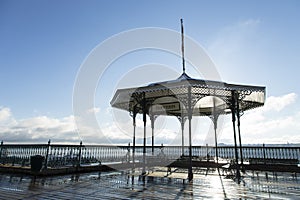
(158, 184)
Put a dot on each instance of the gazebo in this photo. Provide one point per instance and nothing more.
(186, 97)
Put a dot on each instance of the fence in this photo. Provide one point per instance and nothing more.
(74, 155)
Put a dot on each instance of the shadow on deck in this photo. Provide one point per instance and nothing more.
(272, 166)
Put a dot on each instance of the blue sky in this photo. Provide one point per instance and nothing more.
(44, 43)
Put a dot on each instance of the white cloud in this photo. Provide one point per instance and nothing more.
(4, 114)
(279, 103)
(36, 129)
(94, 110)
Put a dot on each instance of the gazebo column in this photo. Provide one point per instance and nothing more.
(216, 139)
(152, 118)
(233, 109)
(182, 118)
(238, 113)
(145, 123)
(215, 121)
(134, 128)
(190, 114)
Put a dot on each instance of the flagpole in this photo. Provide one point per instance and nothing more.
(182, 46)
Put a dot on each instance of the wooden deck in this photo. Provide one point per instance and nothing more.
(129, 185)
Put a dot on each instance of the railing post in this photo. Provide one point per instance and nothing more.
(47, 155)
(207, 155)
(1, 149)
(79, 159)
(128, 152)
(264, 152)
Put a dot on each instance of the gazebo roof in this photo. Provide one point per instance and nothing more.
(171, 97)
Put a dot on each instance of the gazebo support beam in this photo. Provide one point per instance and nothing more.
(233, 111)
(134, 127)
(182, 118)
(215, 121)
(190, 114)
(145, 123)
(216, 139)
(238, 113)
(152, 118)
(182, 133)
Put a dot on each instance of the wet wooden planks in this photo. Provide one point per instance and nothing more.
(118, 185)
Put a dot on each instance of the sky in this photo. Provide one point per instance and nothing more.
(44, 45)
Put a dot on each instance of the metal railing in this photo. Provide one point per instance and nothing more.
(75, 155)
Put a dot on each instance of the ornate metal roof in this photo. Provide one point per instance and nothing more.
(172, 97)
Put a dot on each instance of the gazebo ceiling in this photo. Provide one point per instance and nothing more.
(171, 97)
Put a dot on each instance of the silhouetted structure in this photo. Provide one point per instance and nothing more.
(186, 97)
